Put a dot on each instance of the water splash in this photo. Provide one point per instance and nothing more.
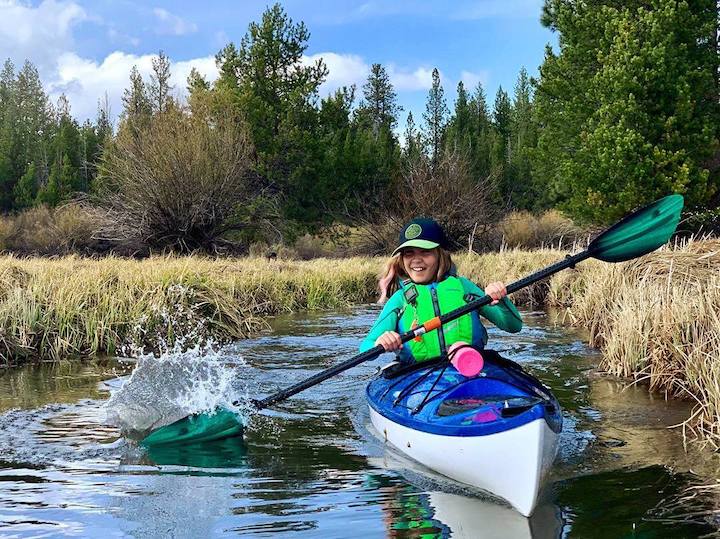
(179, 383)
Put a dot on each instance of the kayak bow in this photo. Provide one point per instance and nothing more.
(496, 431)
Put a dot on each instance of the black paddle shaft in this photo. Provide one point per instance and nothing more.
(368, 355)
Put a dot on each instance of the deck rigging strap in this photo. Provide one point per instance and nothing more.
(522, 379)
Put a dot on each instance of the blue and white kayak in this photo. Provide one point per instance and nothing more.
(496, 431)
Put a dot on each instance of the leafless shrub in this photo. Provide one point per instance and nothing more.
(46, 231)
(181, 183)
(523, 229)
(448, 192)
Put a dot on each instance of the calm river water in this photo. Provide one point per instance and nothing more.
(310, 467)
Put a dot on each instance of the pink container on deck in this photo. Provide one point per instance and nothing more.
(467, 360)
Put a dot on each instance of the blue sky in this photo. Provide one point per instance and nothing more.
(86, 49)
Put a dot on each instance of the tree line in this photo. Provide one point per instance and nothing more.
(625, 110)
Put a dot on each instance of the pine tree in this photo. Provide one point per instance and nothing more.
(380, 100)
(7, 82)
(103, 124)
(159, 88)
(49, 193)
(137, 107)
(459, 130)
(482, 134)
(502, 115)
(277, 95)
(435, 118)
(7, 124)
(26, 133)
(272, 82)
(628, 107)
(25, 190)
(66, 153)
(413, 144)
(525, 192)
(228, 64)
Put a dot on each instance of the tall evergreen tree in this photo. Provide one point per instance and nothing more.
(272, 81)
(103, 123)
(277, 93)
(29, 123)
(525, 192)
(460, 128)
(629, 107)
(7, 122)
(137, 106)
(7, 82)
(435, 118)
(502, 115)
(413, 143)
(25, 190)
(66, 158)
(482, 134)
(380, 100)
(159, 88)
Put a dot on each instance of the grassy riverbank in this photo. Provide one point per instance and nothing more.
(55, 308)
(657, 319)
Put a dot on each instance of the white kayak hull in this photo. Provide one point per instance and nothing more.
(511, 464)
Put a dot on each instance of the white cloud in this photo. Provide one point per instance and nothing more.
(119, 37)
(344, 70)
(404, 80)
(471, 80)
(85, 81)
(39, 33)
(172, 24)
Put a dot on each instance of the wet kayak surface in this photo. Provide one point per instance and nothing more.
(311, 466)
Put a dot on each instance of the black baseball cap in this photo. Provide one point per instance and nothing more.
(423, 233)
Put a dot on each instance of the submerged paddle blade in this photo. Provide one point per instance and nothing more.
(197, 428)
(639, 233)
(229, 453)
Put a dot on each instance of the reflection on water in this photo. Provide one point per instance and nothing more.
(310, 465)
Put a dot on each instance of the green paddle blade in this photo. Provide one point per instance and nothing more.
(229, 453)
(197, 428)
(639, 233)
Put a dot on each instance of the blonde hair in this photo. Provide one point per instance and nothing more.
(394, 271)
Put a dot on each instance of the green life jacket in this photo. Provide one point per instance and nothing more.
(421, 302)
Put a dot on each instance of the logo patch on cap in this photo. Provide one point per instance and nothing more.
(413, 231)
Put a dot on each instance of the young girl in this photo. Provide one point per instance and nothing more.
(421, 278)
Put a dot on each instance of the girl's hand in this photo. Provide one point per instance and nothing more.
(496, 291)
(389, 340)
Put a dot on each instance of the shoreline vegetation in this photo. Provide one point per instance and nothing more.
(656, 319)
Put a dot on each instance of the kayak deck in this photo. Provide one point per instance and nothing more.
(435, 398)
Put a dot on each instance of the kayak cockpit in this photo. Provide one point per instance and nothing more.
(435, 398)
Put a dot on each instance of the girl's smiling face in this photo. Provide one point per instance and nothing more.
(421, 265)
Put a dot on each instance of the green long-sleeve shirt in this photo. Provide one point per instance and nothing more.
(504, 315)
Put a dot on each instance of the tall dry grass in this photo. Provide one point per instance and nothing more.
(509, 265)
(657, 321)
(55, 308)
(525, 230)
